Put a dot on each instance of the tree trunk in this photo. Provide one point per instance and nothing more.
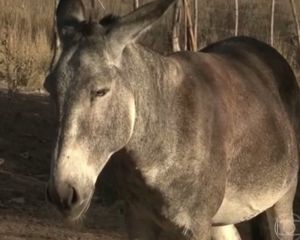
(236, 32)
(296, 19)
(272, 21)
(176, 28)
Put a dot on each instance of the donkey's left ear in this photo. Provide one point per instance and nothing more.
(70, 14)
(131, 26)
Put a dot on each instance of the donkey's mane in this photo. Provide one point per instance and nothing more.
(109, 20)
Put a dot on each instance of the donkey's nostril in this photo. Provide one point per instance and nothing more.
(65, 196)
(74, 199)
(69, 197)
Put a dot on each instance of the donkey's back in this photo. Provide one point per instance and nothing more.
(262, 58)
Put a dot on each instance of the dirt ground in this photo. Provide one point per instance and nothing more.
(26, 136)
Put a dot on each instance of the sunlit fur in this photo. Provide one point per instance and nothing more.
(198, 140)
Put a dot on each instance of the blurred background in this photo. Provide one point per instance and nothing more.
(26, 32)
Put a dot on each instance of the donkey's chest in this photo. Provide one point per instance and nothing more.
(180, 189)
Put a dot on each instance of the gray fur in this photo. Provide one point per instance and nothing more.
(207, 139)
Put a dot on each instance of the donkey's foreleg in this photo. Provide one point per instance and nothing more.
(202, 231)
(228, 232)
(139, 227)
(280, 216)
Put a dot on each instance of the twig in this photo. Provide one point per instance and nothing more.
(102, 5)
(191, 37)
(236, 32)
(196, 18)
(185, 26)
(136, 4)
(272, 21)
(176, 28)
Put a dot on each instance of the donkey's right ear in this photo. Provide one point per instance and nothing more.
(128, 28)
(70, 15)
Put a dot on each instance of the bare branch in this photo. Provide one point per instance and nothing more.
(185, 26)
(272, 21)
(190, 30)
(236, 32)
(196, 17)
(101, 4)
(136, 4)
(176, 28)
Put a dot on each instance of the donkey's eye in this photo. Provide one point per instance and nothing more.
(100, 92)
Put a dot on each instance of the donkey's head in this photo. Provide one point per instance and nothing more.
(95, 105)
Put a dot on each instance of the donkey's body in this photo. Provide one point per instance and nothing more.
(210, 136)
(239, 143)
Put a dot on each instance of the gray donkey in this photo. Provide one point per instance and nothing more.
(206, 139)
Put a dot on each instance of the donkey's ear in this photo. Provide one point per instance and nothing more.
(70, 15)
(131, 26)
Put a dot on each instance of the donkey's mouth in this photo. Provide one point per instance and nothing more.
(77, 213)
(71, 210)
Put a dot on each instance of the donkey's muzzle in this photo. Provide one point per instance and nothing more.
(67, 200)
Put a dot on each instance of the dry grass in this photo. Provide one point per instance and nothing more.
(25, 27)
(26, 32)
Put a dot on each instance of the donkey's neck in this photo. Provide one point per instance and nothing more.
(154, 80)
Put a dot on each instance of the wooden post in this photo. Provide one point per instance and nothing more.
(176, 28)
(236, 32)
(296, 19)
(272, 22)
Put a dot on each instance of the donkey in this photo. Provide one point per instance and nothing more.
(206, 139)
